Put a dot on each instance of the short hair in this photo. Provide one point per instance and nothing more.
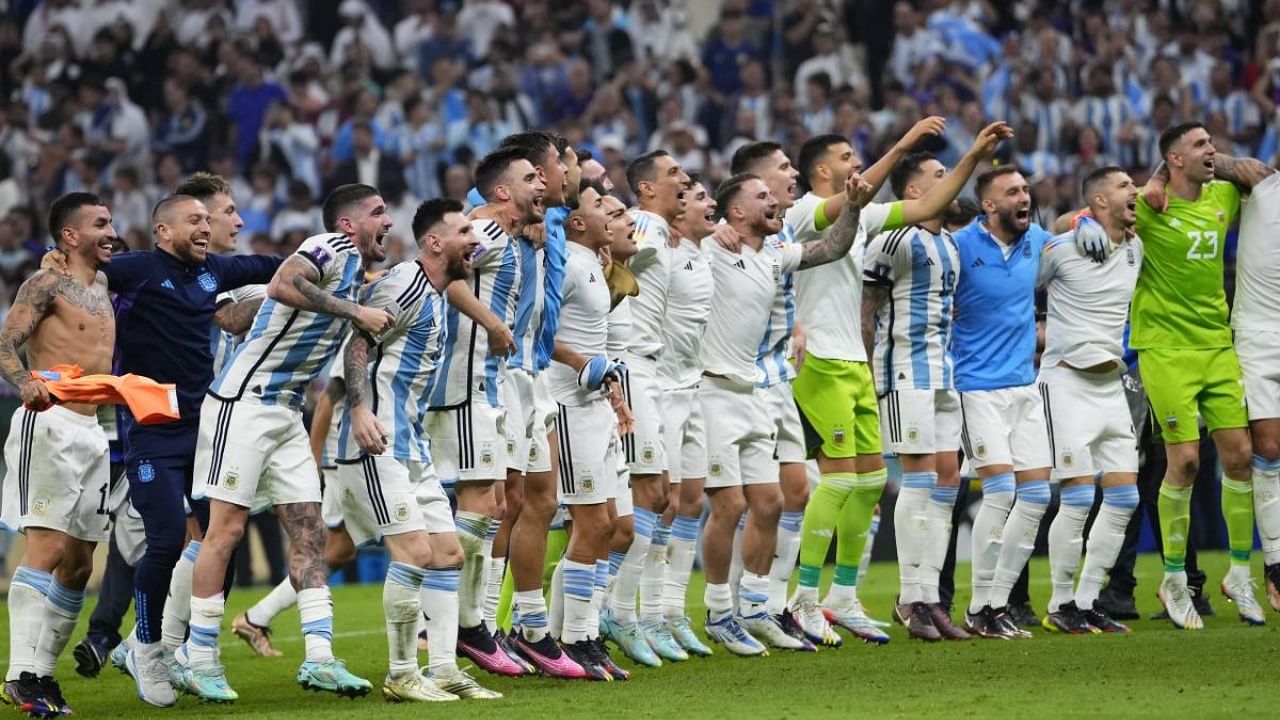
(598, 185)
(1174, 134)
(583, 154)
(984, 180)
(203, 186)
(493, 166)
(749, 156)
(341, 199)
(167, 202)
(813, 150)
(1092, 180)
(906, 170)
(729, 190)
(641, 168)
(430, 213)
(66, 207)
(535, 142)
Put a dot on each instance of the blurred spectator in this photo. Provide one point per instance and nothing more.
(483, 19)
(727, 48)
(480, 130)
(445, 42)
(248, 103)
(368, 164)
(296, 142)
(605, 43)
(130, 206)
(183, 128)
(302, 213)
(362, 29)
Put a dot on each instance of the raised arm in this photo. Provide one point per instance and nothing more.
(939, 198)
(34, 299)
(501, 342)
(839, 239)
(369, 434)
(877, 174)
(1245, 173)
(295, 285)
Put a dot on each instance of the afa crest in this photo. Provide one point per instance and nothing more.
(587, 482)
(1067, 458)
(231, 480)
(980, 450)
(913, 435)
(146, 473)
(715, 469)
(486, 457)
(647, 454)
(208, 282)
(402, 512)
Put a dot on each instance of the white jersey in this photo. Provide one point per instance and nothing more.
(329, 455)
(402, 365)
(619, 329)
(745, 287)
(913, 326)
(772, 355)
(829, 297)
(1257, 302)
(1088, 303)
(223, 343)
(689, 304)
(652, 267)
(584, 322)
(287, 347)
(465, 364)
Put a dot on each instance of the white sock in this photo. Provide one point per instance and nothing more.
(631, 572)
(281, 598)
(864, 563)
(597, 598)
(206, 623)
(784, 559)
(1018, 540)
(841, 596)
(1066, 539)
(654, 574)
(531, 612)
(27, 591)
(680, 553)
(472, 583)
(495, 571)
(401, 606)
(911, 528)
(942, 502)
(735, 559)
(753, 594)
(579, 580)
(315, 606)
(177, 607)
(555, 619)
(61, 610)
(1266, 506)
(719, 601)
(988, 528)
(1106, 537)
(439, 598)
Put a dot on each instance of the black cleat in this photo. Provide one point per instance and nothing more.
(1067, 619)
(792, 628)
(1023, 615)
(1200, 600)
(52, 693)
(1100, 620)
(1004, 624)
(583, 652)
(28, 696)
(90, 654)
(1118, 605)
(979, 624)
(604, 660)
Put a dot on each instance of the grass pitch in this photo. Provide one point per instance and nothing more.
(1228, 670)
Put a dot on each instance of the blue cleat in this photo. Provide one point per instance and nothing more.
(682, 631)
(629, 638)
(660, 639)
(735, 639)
(332, 676)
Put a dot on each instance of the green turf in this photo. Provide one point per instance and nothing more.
(1157, 672)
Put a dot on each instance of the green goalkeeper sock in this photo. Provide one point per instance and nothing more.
(855, 517)
(820, 518)
(1237, 510)
(1174, 508)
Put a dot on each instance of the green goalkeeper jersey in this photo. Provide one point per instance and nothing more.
(1179, 301)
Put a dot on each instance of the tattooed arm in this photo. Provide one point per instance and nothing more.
(873, 296)
(294, 284)
(1244, 173)
(34, 299)
(369, 434)
(236, 317)
(839, 239)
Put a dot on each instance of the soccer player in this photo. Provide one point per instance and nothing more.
(466, 412)
(388, 488)
(1091, 429)
(910, 277)
(253, 444)
(742, 474)
(56, 485)
(658, 183)
(1004, 433)
(833, 386)
(582, 380)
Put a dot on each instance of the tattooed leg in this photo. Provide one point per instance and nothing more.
(307, 536)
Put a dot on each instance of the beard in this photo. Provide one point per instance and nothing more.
(458, 268)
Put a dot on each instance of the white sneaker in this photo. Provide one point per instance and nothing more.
(1238, 587)
(763, 627)
(1177, 602)
(147, 666)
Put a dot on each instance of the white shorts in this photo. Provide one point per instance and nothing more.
(527, 448)
(467, 443)
(330, 508)
(622, 500)
(920, 422)
(58, 474)
(786, 419)
(130, 534)
(588, 460)
(1090, 428)
(380, 496)
(645, 446)
(1259, 354)
(685, 432)
(740, 437)
(1005, 427)
(253, 455)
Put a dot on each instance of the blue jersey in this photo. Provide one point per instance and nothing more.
(994, 339)
(556, 255)
(164, 321)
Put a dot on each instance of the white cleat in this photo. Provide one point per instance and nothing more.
(764, 627)
(146, 663)
(814, 624)
(463, 686)
(413, 687)
(735, 639)
(1177, 602)
(1239, 590)
(855, 620)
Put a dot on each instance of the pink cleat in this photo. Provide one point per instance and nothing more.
(477, 644)
(547, 657)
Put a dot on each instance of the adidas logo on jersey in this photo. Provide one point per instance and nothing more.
(978, 263)
(928, 262)
(688, 265)
(591, 277)
(167, 284)
(741, 265)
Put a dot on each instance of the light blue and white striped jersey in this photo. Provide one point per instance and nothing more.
(465, 364)
(222, 343)
(329, 453)
(287, 347)
(1108, 115)
(772, 355)
(1238, 108)
(533, 280)
(913, 325)
(402, 367)
(652, 267)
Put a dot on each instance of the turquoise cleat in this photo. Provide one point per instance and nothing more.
(660, 639)
(332, 676)
(208, 684)
(682, 631)
(629, 638)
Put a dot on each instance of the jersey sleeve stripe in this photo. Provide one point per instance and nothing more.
(895, 239)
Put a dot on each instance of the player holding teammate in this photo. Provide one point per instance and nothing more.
(252, 442)
(55, 490)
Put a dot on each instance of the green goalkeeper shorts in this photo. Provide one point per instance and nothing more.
(838, 401)
(1185, 385)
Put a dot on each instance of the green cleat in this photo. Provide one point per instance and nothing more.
(332, 676)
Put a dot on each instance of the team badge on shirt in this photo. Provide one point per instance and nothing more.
(231, 480)
(207, 281)
(715, 469)
(402, 512)
(146, 473)
(39, 506)
(587, 482)
(647, 454)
